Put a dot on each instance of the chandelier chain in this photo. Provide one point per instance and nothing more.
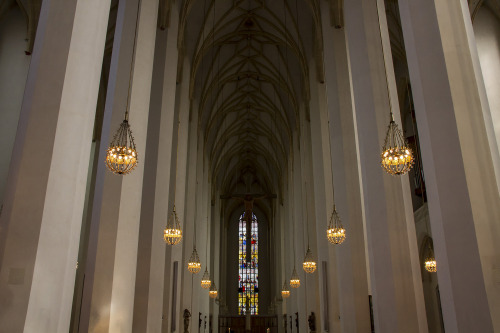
(306, 211)
(132, 61)
(206, 244)
(195, 211)
(213, 103)
(173, 231)
(331, 153)
(293, 217)
(396, 158)
(384, 58)
(293, 177)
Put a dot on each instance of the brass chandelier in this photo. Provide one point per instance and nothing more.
(430, 262)
(309, 264)
(121, 155)
(194, 263)
(205, 280)
(172, 234)
(397, 157)
(335, 231)
(213, 291)
(285, 292)
(294, 280)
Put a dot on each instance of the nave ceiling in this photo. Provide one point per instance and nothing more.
(249, 83)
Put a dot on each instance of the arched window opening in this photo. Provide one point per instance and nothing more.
(248, 272)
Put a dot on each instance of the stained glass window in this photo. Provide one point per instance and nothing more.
(248, 271)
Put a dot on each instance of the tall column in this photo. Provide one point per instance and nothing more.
(337, 119)
(179, 199)
(464, 204)
(42, 216)
(161, 152)
(288, 240)
(215, 256)
(108, 296)
(314, 201)
(200, 296)
(299, 218)
(282, 249)
(322, 204)
(193, 210)
(159, 255)
(394, 266)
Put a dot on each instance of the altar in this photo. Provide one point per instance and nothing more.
(259, 324)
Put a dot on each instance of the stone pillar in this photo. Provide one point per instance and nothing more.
(160, 167)
(215, 255)
(314, 202)
(108, 295)
(337, 118)
(194, 207)
(174, 311)
(44, 198)
(288, 249)
(464, 204)
(299, 212)
(486, 34)
(326, 320)
(394, 266)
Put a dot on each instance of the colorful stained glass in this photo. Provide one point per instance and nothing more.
(248, 278)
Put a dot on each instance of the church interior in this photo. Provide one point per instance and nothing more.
(249, 166)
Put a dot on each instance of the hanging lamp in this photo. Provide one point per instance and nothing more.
(430, 261)
(335, 231)
(213, 291)
(396, 157)
(194, 264)
(430, 264)
(309, 264)
(172, 234)
(294, 280)
(121, 155)
(285, 292)
(205, 280)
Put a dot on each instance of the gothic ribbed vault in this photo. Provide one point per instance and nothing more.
(249, 81)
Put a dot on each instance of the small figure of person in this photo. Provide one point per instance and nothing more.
(312, 322)
(186, 316)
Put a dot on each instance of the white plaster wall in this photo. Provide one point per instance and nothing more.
(14, 64)
(487, 33)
